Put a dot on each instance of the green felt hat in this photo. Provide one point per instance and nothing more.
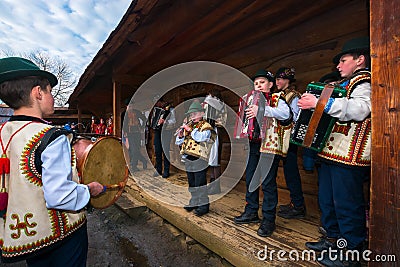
(194, 107)
(12, 68)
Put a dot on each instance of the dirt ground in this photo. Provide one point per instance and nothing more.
(138, 237)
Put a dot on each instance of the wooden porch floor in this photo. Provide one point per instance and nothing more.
(238, 244)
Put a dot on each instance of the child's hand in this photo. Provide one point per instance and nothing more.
(187, 127)
(251, 111)
(307, 101)
(95, 188)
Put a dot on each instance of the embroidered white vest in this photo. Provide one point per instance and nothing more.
(350, 142)
(199, 149)
(28, 225)
(276, 137)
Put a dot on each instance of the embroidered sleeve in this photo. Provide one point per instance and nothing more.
(329, 104)
(357, 107)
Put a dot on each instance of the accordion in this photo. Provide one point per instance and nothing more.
(313, 126)
(199, 149)
(250, 128)
(158, 113)
(215, 111)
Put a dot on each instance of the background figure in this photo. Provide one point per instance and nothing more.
(163, 131)
(215, 155)
(296, 208)
(135, 121)
(110, 126)
(93, 125)
(101, 127)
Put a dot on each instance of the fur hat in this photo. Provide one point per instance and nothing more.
(286, 73)
(12, 68)
(263, 73)
(355, 45)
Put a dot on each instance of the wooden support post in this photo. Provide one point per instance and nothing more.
(117, 108)
(384, 235)
(79, 119)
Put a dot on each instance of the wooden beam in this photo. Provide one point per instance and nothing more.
(127, 79)
(80, 120)
(384, 237)
(116, 109)
(184, 14)
(70, 116)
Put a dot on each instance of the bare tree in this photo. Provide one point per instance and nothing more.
(66, 78)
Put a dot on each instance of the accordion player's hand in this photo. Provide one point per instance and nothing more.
(307, 101)
(251, 111)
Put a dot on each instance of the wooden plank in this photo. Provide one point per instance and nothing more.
(385, 186)
(184, 13)
(238, 244)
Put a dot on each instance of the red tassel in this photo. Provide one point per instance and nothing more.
(3, 201)
(4, 164)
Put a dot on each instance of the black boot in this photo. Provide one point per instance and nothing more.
(324, 243)
(165, 173)
(246, 217)
(266, 228)
(201, 210)
(292, 212)
(193, 201)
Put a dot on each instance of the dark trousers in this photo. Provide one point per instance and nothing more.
(196, 171)
(342, 204)
(134, 149)
(292, 176)
(160, 152)
(252, 198)
(269, 170)
(309, 157)
(261, 170)
(72, 252)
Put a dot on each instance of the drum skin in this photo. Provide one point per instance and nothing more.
(102, 161)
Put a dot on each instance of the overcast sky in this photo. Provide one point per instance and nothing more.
(73, 30)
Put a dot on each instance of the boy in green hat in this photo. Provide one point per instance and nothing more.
(196, 139)
(345, 159)
(44, 221)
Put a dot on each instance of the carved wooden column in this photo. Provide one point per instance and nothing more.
(384, 235)
(116, 108)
